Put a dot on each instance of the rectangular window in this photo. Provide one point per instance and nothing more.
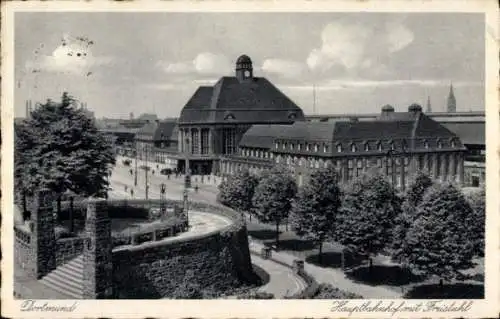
(204, 141)
(349, 164)
(229, 141)
(195, 146)
(379, 162)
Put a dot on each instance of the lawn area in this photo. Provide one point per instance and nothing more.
(383, 273)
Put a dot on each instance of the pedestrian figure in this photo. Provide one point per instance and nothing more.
(125, 187)
(196, 188)
(132, 192)
(153, 172)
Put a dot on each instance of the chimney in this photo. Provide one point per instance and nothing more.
(387, 111)
(414, 108)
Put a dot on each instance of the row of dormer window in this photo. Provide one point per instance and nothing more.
(353, 147)
(256, 153)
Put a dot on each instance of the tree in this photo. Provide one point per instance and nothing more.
(477, 220)
(438, 243)
(273, 196)
(414, 194)
(238, 190)
(315, 210)
(60, 148)
(366, 221)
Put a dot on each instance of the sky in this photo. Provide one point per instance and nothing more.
(120, 63)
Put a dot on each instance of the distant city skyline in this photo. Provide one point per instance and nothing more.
(357, 62)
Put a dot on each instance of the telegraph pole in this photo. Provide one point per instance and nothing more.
(146, 173)
(136, 153)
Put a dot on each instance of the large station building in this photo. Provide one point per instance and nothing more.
(215, 119)
(395, 143)
(245, 122)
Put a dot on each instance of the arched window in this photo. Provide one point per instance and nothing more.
(316, 147)
(276, 145)
(291, 146)
(325, 148)
(316, 163)
(339, 148)
(367, 147)
(299, 147)
(353, 147)
(391, 143)
(284, 146)
(426, 144)
(379, 146)
(308, 147)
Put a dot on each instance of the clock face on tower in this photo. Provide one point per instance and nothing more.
(247, 73)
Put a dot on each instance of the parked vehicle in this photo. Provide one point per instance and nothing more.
(166, 171)
(127, 162)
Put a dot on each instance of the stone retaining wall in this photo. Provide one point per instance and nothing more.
(216, 260)
(67, 249)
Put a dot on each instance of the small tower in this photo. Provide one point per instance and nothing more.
(244, 69)
(452, 102)
(429, 107)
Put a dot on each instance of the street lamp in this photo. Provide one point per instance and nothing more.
(135, 175)
(187, 179)
(163, 189)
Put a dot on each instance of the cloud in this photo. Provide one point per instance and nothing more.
(68, 58)
(285, 68)
(205, 63)
(356, 47)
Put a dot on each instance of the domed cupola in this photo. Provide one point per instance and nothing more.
(244, 69)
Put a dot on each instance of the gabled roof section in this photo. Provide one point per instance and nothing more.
(471, 133)
(164, 131)
(200, 99)
(257, 101)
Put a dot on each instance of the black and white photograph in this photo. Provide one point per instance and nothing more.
(249, 155)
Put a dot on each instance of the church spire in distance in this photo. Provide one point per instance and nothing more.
(452, 102)
(429, 107)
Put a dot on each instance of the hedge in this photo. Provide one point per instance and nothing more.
(328, 291)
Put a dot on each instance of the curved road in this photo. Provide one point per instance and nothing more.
(283, 281)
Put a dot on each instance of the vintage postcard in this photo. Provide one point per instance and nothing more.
(250, 159)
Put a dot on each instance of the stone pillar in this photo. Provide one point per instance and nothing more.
(460, 169)
(210, 142)
(444, 174)
(200, 130)
(97, 253)
(434, 166)
(451, 168)
(43, 238)
(426, 163)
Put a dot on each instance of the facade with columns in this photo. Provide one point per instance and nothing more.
(396, 143)
(215, 119)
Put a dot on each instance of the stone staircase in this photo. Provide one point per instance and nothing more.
(67, 279)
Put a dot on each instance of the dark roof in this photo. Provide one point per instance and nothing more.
(396, 127)
(244, 59)
(166, 129)
(262, 136)
(148, 129)
(469, 133)
(156, 129)
(229, 100)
